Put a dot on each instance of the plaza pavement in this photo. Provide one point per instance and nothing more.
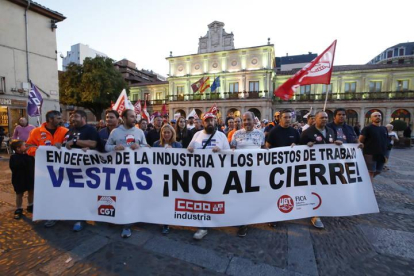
(374, 244)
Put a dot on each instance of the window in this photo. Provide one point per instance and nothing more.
(147, 96)
(402, 85)
(389, 54)
(401, 52)
(134, 97)
(305, 89)
(401, 61)
(159, 95)
(2, 85)
(350, 87)
(253, 86)
(375, 86)
(180, 90)
(234, 87)
(326, 88)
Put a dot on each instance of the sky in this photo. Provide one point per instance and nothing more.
(146, 31)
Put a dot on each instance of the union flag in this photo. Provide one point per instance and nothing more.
(318, 71)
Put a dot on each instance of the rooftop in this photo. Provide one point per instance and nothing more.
(341, 68)
(271, 45)
(36, 7)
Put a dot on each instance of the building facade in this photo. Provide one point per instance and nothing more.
(246, 78)
(78, 53)
(27, 52)
(361, 89)
(249, 77)
(132, 75)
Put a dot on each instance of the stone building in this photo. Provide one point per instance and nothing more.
(27, 52)
(361, 89)
(249, 77)
(246, 76)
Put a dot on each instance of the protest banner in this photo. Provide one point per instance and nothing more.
(175, 187)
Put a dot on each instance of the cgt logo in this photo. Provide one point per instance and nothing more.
(209, 207)
(106, 206)
(285, 204)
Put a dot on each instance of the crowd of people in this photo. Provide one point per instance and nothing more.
(118, 132)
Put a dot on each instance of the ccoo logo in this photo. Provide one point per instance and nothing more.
(285, 204)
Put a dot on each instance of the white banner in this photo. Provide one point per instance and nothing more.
(205, 189)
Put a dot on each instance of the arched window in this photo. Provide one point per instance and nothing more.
(351, 117)
(401, 114)
(256, 112)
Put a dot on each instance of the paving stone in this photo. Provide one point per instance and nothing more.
(120, 258)
(339, 245)
(391, 242)
(301, 257)
(262, 243)
(244, 267)
(190, 253)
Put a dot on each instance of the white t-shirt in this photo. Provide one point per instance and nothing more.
(393, 134)
(190, 127)
(201, 137)
(248, 140)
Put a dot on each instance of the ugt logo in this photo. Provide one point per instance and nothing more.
(106, 206)
(285, 204)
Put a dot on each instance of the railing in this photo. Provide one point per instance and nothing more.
(390, 95)
(219, 96)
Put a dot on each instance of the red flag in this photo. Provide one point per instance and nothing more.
(112, 104)
(213, 109)
(145, 114)
(164, 110)
(195, 86)
(137, 107)
(318, 71)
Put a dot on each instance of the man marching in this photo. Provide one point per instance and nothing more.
(247, 138)
(126, 136)
(210, 139)
(319, 133)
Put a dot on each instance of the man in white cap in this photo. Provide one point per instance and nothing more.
(208, 138)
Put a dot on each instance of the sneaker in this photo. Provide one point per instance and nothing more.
(273, 224)
(200, 234)
(78, 226)
(18, 213)
(50, 223)
(317, 222)
(126, 233)
(29, 209)
(165, 230)
(242, 231)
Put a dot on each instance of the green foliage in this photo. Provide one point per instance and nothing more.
(92, 85)
(399, 125)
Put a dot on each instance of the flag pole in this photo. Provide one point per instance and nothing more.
(327, 92)
(326, 99)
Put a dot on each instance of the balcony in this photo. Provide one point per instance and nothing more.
(357, 96)
(219, 96)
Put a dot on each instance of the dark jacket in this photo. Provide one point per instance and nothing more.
(22, 167)
(312, 134)
(348, 131)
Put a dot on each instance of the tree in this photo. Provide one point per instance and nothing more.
(399, 125)
(92, 85)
